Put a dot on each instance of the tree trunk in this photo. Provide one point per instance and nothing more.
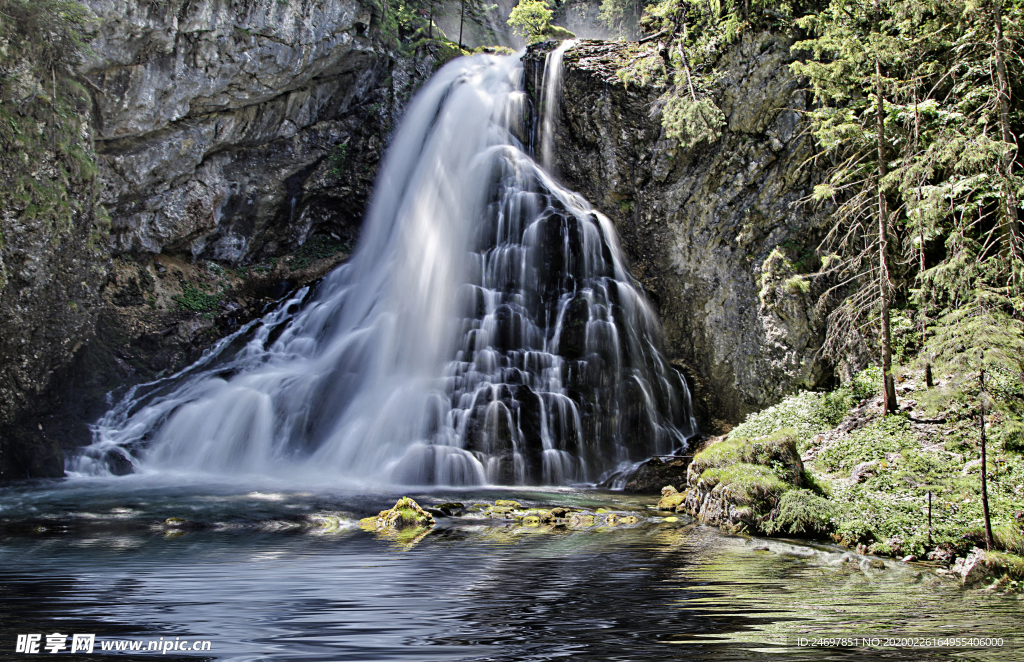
(430, 22)
(989, 542)
(1007, 135)
(889, 403)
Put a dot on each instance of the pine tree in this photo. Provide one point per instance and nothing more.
(857, 59)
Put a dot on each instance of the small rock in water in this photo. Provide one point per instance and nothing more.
(877, 564)
(761, 548)
(405, 513)
(504, 503)
(670, 519)
(972, 569)
(671, 502)
(909, 559)
(668, 490)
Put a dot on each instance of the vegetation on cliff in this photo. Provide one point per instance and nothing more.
(916, 112)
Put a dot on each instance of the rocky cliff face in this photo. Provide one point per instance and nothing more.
(212, 115)
(716, 235)
(224, 135)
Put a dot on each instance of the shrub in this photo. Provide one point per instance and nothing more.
(802, 511)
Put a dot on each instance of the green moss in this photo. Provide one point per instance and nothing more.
(745, 483)
(777, 452)
(317, 248)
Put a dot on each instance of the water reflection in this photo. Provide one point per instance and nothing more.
(655, 591)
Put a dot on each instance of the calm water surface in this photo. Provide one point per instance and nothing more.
(252, 576)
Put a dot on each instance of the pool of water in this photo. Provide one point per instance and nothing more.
(250, 574)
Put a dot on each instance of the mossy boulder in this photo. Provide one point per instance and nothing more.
(671, 498)
(406, 513)
(739, 483)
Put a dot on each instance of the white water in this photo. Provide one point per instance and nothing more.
(552, 99)
(485, 331)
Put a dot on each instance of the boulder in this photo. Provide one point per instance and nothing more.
(650, 476)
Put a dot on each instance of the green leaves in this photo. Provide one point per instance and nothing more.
(530, 19)
(692, 122)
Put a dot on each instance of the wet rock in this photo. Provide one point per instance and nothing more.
(406, 513)
(942, 555)
(650, 476)
(972, 569)
(909, 559)
(671, 501)
(451, 509)
(876, 564)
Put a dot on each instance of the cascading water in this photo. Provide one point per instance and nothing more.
(552, 86)
(485, 331)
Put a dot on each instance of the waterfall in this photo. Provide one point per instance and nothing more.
(486, 330)
(552, 97)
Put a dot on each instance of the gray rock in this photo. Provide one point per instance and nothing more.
(863, 471)
(712, 233)
(972, 569)
(215, 121)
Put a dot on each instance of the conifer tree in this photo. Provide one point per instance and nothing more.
(856, 59)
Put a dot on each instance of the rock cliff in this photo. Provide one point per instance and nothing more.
(717, 234)
(220, 136)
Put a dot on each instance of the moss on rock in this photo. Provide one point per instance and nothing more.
(406, 513)
(739, 483)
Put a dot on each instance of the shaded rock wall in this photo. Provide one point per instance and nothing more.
(716, 235)
(223, 130)
(211, 115)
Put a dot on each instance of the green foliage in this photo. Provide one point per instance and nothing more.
(197, 300)
(805, 414)
(885, 435)
(531, 19)
(802, 512)
(692, 122)
(316, 248)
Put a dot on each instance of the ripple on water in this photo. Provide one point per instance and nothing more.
(260, 588)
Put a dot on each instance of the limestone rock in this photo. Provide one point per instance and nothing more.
(213, 118)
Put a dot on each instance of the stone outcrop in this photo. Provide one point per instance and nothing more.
(716, 234)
